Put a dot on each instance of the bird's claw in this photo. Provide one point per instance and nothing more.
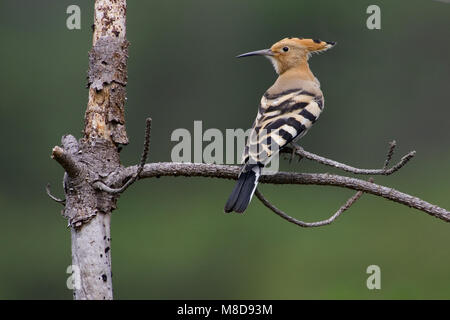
(292, 155)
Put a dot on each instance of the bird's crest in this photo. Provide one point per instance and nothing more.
(309, 45)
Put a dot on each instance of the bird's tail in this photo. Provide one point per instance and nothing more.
(243, 190)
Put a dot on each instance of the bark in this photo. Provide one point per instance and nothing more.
(96, 155)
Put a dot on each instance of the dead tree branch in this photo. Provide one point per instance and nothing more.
(66, 160)
(390, 153)
(303, 224)
(304, 154)
(174, 169)
(152, 170)
(332, 163)
(51, 196)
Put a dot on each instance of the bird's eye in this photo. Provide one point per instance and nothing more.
(286, 49)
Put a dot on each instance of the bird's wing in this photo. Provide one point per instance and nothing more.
(282, 118)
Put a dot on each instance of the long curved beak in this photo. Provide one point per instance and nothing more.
(264, 52)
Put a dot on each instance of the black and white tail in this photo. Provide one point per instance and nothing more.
(243, 190)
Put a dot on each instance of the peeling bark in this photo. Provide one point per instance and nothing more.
(95, 156)
(107, 75)
(98, 160)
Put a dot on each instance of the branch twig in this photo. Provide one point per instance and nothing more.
(47, 189)
(101, 186)
(66, 161)
(384, 171)
(302, 153)
(303, 224)
(390, 153)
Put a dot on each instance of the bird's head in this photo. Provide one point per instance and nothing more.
(291, 52)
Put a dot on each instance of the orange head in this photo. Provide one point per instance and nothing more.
(291, 52)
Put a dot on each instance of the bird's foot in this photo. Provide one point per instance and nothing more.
(295, 147)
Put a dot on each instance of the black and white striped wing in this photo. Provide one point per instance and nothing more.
(282, 118)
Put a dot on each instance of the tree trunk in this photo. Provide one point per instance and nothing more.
(96, 156)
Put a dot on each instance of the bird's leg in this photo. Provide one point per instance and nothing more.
(292, 155)
(298, 148)
(295, 147)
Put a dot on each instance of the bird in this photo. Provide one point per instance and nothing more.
(286, 112)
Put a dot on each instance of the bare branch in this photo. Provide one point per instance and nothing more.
(47, 189)
(148, 128)
(303, 224)
(66, 160)
(384, 171)
(101, 186)
(390, 153)
(231, 172)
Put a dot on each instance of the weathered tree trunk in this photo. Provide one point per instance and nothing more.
(95, 156)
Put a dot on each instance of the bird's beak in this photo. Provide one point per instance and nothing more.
(264, 52)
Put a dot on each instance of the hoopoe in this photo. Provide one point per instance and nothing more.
(287, 111)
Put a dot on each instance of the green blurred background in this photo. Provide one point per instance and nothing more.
(170, 236)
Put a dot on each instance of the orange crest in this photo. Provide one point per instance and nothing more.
(311, 45)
